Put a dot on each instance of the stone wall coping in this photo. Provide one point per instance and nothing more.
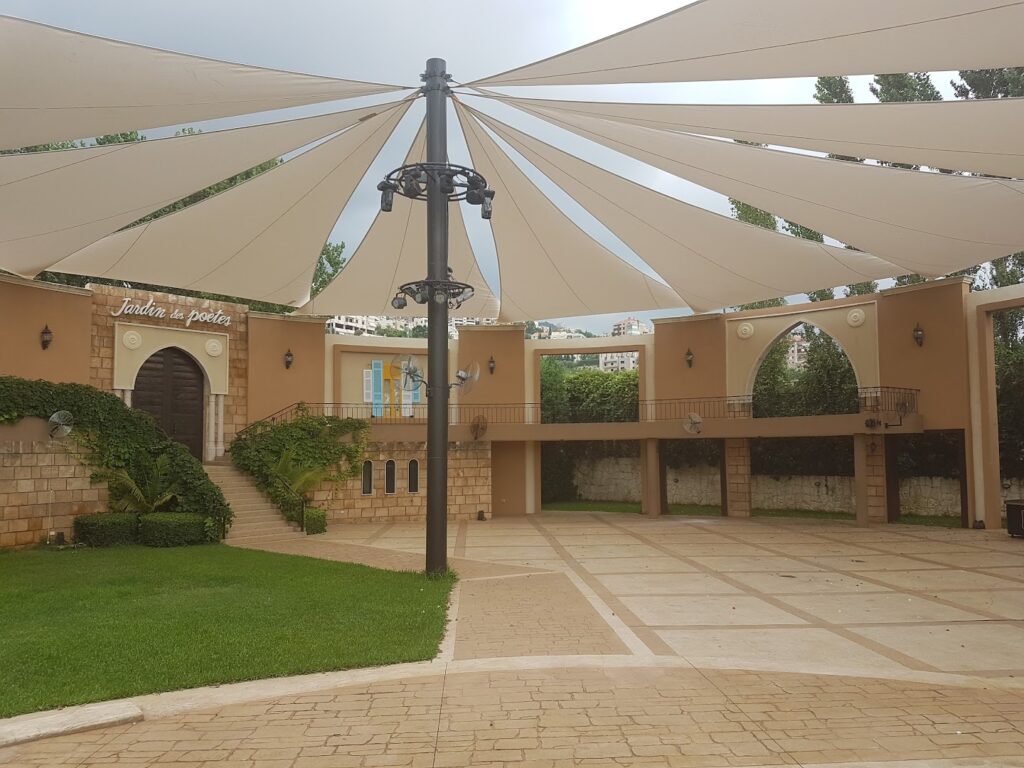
(16, 280)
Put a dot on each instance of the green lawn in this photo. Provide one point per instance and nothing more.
(94, 624)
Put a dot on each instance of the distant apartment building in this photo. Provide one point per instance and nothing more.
(796, 354)
(630, 326)
(352, 325)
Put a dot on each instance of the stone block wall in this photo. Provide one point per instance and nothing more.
(469, 486)
(619, 480)
(43, 486)
(737, 472)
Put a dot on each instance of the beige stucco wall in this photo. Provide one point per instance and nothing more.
(271, 385)
(749, 335)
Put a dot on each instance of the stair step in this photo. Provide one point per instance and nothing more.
(269, 537)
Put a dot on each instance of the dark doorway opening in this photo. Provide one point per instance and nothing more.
(169, 387)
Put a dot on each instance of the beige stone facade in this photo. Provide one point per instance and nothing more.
(106, 300)
(469, 486)
(43, 486)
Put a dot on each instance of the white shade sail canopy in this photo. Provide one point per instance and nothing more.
(260, 239)
(60, 85)
(981, 136)
(391, 254)
(754, 39)
(548, 266)
(55, 203)
(910, 218)
(710, 260)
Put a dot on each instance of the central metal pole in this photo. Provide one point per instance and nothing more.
(435, 89)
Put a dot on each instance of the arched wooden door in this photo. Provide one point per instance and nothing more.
(169, 386)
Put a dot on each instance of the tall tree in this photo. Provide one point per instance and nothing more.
(328, 266)
(908, 86)
(751, 215)
(989, 83)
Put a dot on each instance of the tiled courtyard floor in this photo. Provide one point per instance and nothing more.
(593, 639)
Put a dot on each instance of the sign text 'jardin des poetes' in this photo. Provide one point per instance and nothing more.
(150, 309)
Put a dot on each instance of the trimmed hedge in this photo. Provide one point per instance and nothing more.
(106, 529)
(115, 436)
(172, 529)
(316, 521)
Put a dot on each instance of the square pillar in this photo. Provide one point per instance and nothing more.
(869, 486)
(651, 479)
(736, 482)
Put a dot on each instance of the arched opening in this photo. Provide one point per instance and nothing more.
(367, 478)
(414, 476)
(805, 372)
(389, 476)
(170, 386)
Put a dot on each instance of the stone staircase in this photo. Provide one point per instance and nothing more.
(257, 519)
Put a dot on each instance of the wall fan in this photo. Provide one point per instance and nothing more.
(60, 424)
(694, 424)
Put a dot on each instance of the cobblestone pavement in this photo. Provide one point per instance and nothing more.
(594, 639)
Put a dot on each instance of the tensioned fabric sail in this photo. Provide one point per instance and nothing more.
(392, 253)
(754, 39)
(55, 203)
(911, 218)
(977, 135)
(548, 266)
(712, 261)
(60, 85)
(260, 239)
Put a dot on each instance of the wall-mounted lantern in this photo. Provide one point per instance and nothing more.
(491, 365)
(289, 358)
(45, 337)
(919, 335)
(689, 358)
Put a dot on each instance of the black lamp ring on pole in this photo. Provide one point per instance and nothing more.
(450, 292)
(456, 182)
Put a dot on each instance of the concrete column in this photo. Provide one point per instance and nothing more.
(127, 397)
(986, 475)
(210, 451)
(651, 479)
(869, 479)
(737, 477)
(219, 438)
(533, 500)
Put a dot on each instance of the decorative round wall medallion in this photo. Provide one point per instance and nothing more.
(132, 339)
(856, 317)
(745, 330)
(214, 348)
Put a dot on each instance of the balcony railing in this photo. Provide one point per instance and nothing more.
(876, 400)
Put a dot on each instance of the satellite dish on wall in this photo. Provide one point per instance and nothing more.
(60, 424)
(466, 379)
(694, 424)
(478, 427)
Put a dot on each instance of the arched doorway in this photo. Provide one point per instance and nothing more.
(170, 387)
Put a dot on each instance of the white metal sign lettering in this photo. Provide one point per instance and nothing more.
(150, 309)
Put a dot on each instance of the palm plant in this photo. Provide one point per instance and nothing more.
(301, 479)
(150, 488)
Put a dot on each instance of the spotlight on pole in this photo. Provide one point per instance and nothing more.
(399, 302)
(487, 206)
(387, 191)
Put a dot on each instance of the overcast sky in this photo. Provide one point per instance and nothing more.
(390, 41)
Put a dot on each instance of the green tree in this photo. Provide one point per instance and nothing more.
(989, 83)
(751, 215)
(861, 289)
(909, 86)
(328, 266)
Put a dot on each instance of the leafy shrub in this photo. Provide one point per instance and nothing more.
(116, 437)
(107, 529)
(156, 487)
(316, 521)
(172, 529)
(333, 445)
